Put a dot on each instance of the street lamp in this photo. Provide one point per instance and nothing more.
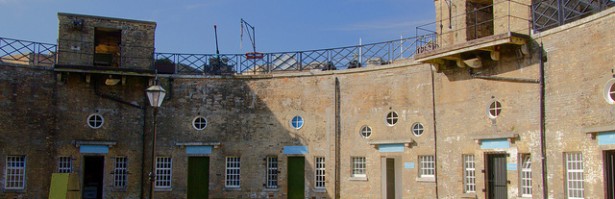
(155, 94)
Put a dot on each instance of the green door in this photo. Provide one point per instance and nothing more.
(198, 177)
(296, 179)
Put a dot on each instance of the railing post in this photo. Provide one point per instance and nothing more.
(560, 12)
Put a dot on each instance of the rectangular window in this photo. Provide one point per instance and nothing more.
(427, 165)
(163, 172)
(574, 175)
(525, 175)
(272, 172)
(469, 174)
(65, 165)
(320, 173)
(358, 167)
(15, 171)
(120, 172)
(233, 175)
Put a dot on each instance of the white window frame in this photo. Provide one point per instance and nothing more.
(120, 172)
(496, 107)
(427, 166)
(15, 173)
(574, 175)
(418, 129)
(233, 172)
(199, 123)
(297, 122)
(94, 118)
(272, 172)
(359, 167)
(525, 175)
(319, 173)
(609, 91)
(65, 164)
(164, 172)
(365, 132)
(392, 118)
(469, 173)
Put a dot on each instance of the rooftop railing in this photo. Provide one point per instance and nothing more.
(547, 14)
(27, 52)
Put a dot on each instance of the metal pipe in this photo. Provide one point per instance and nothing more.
(510, 79)
(543, 147)
(435, 127)
(152, 174)
(143, 110)
(338, 134)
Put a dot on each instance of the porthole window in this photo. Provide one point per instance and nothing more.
(609, 91)
(95, 121)
(392, 118)
(296, 122)
(199, 123)
(366, 131)
(494, 110)
(417, 129)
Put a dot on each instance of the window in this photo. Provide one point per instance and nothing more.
(163, 172)
(392, 118)
(358, 167)
(95, 121)
(320, 173)
(495, 108)
(296, 122)
(525, 175)
(469, 177)
(233, 165)
(120, 172)
(15, 171)
(417, 129)
(574, 175)
(366, 131)
(427, 166)
(199, 123)
(272, 172)
(65, 165)
(609, 91)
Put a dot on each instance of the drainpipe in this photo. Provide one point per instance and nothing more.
(543, 147)
(337, 138)
(145, 101)
(435, 134)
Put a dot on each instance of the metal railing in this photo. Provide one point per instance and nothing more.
(325, 59)
(547, 14)
(503, 16)
(27, 52)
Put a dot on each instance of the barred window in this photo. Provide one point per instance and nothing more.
(427, 166)
(320, 173)
(272, 172)
(358, 167)
(233, 176)
(525, 175)
(120, 172)
(15, 171)
(65, 165)
(574, 175)
(469, 174)
(163, 172)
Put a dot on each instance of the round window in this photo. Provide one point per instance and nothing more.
(609, 91)
(417, 129)
(95, 121)
(494, 110)
(366, 131)
(199, 123)
(392, 118)
(296, 122)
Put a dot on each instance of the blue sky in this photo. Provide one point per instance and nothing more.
(186, 26)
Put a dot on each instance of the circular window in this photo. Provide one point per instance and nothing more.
(392, 118)
(417, 129)
(296, 122)
(199, 123)
(495, 108)
(609, 91)
(366, 131)
(95, 121)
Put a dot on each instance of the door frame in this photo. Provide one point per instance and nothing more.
(608, 172)
(188, 172)
(397, 165)
(288, 172)
(487, 164)
(83, 168)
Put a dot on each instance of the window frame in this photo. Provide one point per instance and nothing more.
(365, 131)
(232, 174)
(120, 172)
(525, 175)
(391, 118)
(497, 108)
(574, 159)
(319, 172)
(469, 173)
(418, 129)
(15, 176)
(427, 166)
(609, 91)
(359, 167)
(195, 124)
(297, 122)
(65, 164)
(271, 180)
(166, 172)
(93, 118)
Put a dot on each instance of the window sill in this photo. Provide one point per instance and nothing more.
(232, 188)
(364, 178)
(469, 195)
(320, 190)
(163, 189)
(272, 189)
(15, 190)
(426, 179)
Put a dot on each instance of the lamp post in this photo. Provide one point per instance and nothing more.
(155, 94)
